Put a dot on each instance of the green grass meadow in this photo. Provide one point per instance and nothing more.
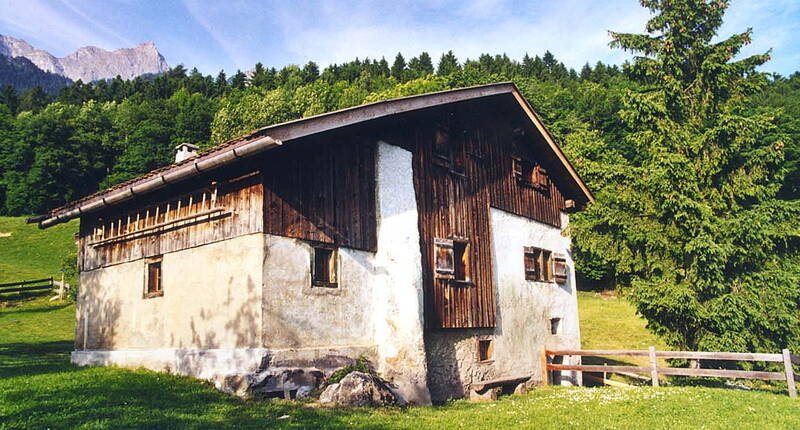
(32, 253)
(39, 389)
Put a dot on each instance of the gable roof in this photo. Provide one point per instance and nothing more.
(272, 136)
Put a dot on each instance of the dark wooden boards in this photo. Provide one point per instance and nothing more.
(323, 190)
(456, 206)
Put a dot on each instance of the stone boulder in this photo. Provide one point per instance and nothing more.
(282, 382)
(358, 389)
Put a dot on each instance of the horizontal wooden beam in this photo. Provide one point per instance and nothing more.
(691, 355)
(21, 289)
(14, 284)
(715, 373)
(482, 385)
(737, 356)
(211, 214)
(722, 373)
(599, 352)
(599, 369)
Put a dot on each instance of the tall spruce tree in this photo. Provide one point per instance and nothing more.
(448, 64)
(689, 221)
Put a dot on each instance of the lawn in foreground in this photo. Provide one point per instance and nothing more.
(40, 389)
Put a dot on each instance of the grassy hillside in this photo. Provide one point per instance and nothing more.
(27, 252)
(40, 389)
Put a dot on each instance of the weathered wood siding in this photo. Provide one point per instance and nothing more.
(323, 189)
(239, 195)
(457, 206)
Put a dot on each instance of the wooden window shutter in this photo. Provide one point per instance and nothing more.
(516, 167)
(560, 268)
(531, 263)
(443, 258)
(540, 177)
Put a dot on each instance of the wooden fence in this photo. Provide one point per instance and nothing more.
(654, 371)
(24, 286)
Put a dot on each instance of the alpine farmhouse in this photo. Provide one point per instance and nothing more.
(426, 233)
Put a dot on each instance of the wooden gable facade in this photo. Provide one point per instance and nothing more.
(466, 160)
(472, 149)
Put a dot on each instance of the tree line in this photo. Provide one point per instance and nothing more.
(693, 155)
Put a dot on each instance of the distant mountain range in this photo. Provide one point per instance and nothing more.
(88, 63)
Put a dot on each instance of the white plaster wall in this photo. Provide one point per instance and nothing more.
(212, 299)
(524, 309)
(398, 290)
(297, 315)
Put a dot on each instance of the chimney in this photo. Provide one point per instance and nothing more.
(184, 151)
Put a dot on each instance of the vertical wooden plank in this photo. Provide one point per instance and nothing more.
(543, 364)
(653, 366)
(790, 382)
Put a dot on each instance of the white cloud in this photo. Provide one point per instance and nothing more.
(574, 31)
(56, 28)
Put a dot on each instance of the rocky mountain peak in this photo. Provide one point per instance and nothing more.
(90, 63)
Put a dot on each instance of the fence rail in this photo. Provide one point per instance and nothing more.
(654, 370)
(18, 287)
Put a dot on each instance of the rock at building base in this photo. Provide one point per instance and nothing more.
(283, 382)
(358, 389)
(487, 395)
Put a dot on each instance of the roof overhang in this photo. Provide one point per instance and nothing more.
(270, 137)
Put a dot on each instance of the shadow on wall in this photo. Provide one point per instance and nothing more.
(98, 319)
(241, 322)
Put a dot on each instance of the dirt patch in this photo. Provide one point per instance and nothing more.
(608, 294)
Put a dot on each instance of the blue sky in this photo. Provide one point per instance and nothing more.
(235, 34)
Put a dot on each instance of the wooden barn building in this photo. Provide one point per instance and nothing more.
(426, 233)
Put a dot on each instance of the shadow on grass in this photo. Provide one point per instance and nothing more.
(116, 398)
(40, 389)
(13, 310)
(29, 359)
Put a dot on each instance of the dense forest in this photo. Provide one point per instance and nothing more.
(693, 155)
(21, 74)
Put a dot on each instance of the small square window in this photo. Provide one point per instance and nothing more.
(529, 173)
(538, 264)
(485, 350)
(555, 325)
(324, 267)
(452, 259)
(153, 282)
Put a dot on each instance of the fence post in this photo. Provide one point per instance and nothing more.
(653, 366)
(787, 364)
(545, 372)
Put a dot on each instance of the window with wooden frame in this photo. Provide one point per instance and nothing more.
(560, 268)
(485, 350)
(153, 278)
(449, 152)
(538, 264)
(452, 259)
(324, 267)
(441, 145)
(529, 173)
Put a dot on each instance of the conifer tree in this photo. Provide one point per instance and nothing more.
(448, 64)
(399, 67)
(691, 223)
